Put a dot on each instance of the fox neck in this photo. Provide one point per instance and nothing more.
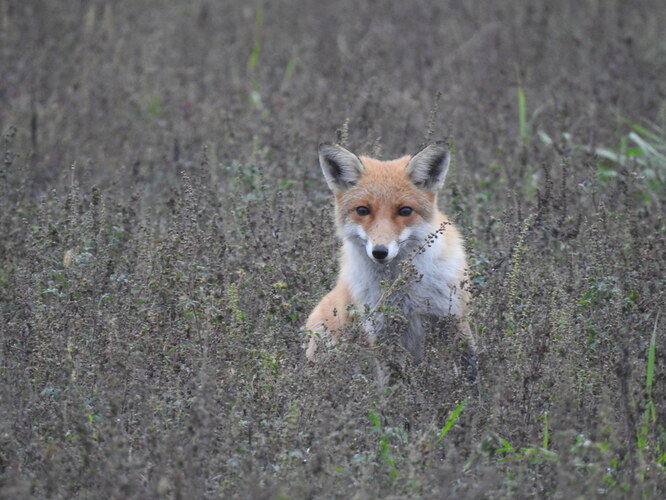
(365, 277)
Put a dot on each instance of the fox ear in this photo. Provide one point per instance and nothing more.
(342, 168)
(427, 168)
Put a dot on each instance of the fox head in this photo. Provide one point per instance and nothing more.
(385, 206)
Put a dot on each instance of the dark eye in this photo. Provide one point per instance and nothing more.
(405, 211)
(362, 211)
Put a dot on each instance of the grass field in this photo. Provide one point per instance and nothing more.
(165, 231)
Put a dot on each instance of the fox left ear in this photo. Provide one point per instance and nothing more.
(341, 168)
(427, 168)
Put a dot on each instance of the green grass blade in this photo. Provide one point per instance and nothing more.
(650, 413)
(375, 419)
(507, 447)
(647, 148)
(254, 58)
(651, 358)
(522, 116)
(288, 72)
(647, 133)
(546, 436)
(608, 154)
(253, 61)
(452, 420)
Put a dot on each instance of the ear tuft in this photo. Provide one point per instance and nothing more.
(342, 169)
(427, 168)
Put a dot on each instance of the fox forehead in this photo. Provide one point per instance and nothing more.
(386, 183)
(379, 173)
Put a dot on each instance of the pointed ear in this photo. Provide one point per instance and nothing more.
(342, 168)
(427, 168)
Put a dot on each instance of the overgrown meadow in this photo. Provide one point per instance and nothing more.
(165, 231)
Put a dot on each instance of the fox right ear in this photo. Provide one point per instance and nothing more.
(342, 169)
(428, 167)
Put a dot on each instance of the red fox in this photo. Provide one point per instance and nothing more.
(386, 213)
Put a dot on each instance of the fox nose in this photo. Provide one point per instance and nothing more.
(380, 252)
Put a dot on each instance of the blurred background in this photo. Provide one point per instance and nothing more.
(121, 83)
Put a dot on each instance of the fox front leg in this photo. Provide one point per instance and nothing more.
(414, 336)
(468, 361)
(318, 336)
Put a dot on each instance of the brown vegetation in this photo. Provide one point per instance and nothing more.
(166, 229)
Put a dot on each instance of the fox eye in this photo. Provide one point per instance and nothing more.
(362, 211)
(405, 211)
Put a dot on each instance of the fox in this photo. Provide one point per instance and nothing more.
(386, 213)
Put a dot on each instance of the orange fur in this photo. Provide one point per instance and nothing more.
(374, 243)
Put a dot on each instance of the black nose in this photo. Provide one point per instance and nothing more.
(380, 252)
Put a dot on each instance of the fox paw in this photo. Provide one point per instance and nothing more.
(316, 339)
(311, 349)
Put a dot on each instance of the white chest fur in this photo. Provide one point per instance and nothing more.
(436, 293)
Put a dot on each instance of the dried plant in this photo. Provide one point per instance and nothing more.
(165, 231)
